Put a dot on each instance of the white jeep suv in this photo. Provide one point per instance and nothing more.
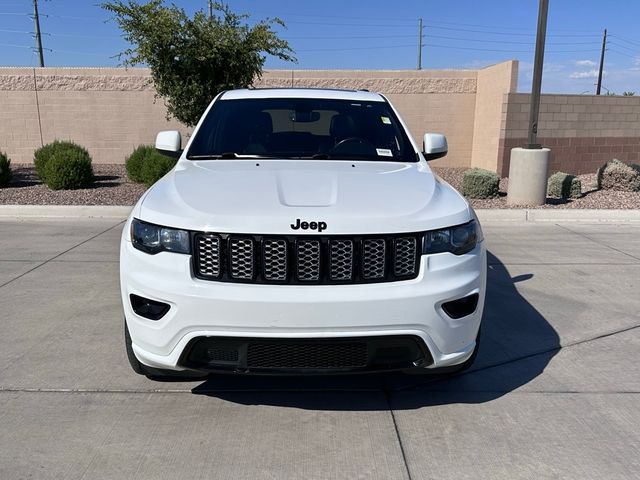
(301, 231)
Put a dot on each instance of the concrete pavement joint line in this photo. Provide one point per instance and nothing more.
(62, 253)
(549, 350)
(597, 242)
(363, 390)
(387, 397)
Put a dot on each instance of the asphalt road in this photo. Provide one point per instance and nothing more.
(555, 392)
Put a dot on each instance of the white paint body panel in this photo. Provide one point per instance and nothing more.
(265, 197)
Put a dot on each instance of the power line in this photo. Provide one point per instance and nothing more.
(632, 42)
(442, 46)
(623, 54)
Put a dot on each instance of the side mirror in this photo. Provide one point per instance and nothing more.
(434, 146)
(169, 143)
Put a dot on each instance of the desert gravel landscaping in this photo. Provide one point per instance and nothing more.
(112, 187)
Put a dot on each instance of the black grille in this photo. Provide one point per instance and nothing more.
(306, 259)
(307, 355)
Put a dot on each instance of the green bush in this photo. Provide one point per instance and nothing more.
(563, 185)
(42, 155)
(617, 175)
(136, 160)
(480, 183)
(69, 170)
(5, 170)
(155, 167)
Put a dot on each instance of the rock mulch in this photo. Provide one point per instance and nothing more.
(592, 198)
(112, 187)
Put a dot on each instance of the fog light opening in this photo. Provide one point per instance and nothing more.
(148, 308)
(462, 306)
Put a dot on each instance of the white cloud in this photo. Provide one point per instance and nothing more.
(588, 74)
(585, 63)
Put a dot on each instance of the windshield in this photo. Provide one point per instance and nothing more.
(301, 128)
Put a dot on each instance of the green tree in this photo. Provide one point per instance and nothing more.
(192, 59)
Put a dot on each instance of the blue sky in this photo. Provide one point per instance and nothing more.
(375, 34)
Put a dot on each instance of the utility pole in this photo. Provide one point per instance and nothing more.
(538, 63)
(420, 44)
(529, 166)
(36, 20)
(604, 47)
(210, 9)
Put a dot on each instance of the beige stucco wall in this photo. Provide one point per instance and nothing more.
(493, 84)
(107, 110)
(583, 131)
(111, 110)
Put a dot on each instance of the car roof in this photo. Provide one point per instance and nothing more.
(329, 93)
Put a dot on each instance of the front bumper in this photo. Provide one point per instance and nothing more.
(201, 308)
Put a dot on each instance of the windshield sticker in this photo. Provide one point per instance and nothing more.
(384, 152)
(386, 120)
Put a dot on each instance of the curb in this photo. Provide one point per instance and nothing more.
(541, 215)
(496, 215)
(65, 211)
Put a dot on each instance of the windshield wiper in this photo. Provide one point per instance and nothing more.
(227, 155)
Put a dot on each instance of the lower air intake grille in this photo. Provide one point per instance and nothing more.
(306, 260)
(311, 355)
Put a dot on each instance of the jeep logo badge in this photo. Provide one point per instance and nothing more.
(320, 226)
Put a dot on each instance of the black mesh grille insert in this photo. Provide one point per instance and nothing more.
(307, 355)
(306, 259)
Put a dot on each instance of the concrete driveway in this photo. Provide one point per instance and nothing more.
(555, 392)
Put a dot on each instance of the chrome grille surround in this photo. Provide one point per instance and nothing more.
(308, 254)
(207, 255)
(241, 258)
(275, 259)
(341, 261)
(306, 259)
(404, 256)
(373, 258)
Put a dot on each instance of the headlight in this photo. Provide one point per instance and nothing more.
(152, 238)
(457, 240)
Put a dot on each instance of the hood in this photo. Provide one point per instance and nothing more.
(269, 196)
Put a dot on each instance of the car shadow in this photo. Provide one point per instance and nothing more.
(516, 345)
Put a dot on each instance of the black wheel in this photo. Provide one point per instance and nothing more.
(155, 373)
(452, 369)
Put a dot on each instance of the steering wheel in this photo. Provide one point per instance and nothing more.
(351, 140)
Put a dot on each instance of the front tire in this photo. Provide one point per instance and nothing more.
(155, 373)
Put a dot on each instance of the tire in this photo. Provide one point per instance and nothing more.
(453, 369)
(155, 373)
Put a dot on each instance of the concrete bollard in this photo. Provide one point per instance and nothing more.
(528, 176)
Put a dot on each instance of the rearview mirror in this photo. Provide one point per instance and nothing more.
(169, 143)
(434, 146)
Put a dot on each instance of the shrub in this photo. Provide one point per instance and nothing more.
(563, 185)
(5, 170)
(155, 167)
(42, 155)
(617, 175)
(480, 183)
(69, 170)
(136, 160)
